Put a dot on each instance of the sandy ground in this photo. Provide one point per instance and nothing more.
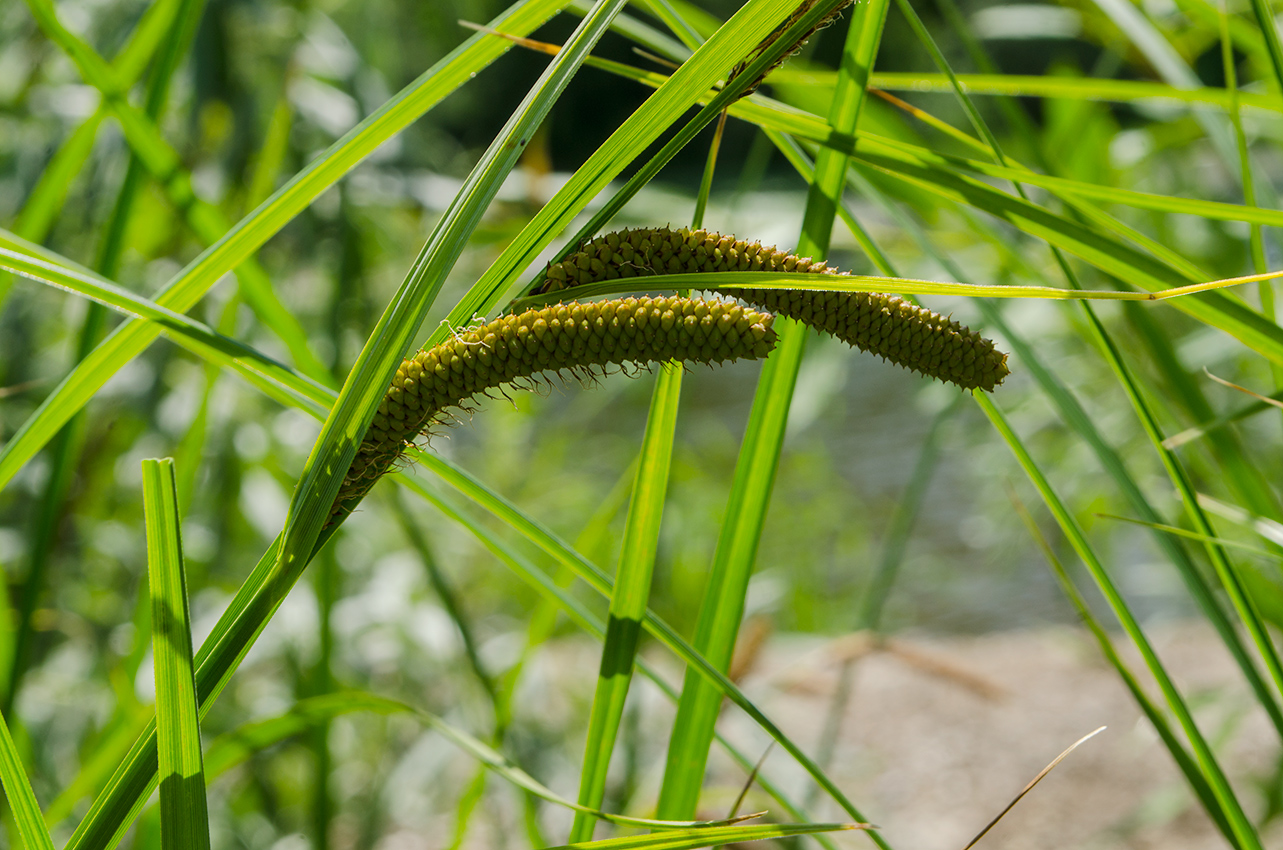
(941, 733)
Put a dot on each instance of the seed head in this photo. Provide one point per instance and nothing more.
(886, 325)
(581, 338)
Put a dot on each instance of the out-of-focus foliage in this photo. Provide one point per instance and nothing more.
(267, 86)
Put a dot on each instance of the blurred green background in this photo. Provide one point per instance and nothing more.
(857, 430)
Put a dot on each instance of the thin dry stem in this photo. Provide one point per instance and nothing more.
(1041, 774)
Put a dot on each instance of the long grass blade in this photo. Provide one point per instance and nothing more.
(1256, 241)
(1245, 412)
(184, 814)
(235, 747)
(712, 837)
(734, 559)
(17, 790)
(1244, 477)
(238, 244)
(1157, 719)
(731, 281)
(65, 450)
(602, 584)
(275, 379)
(152, 152)
(1245, 835)
(630, 593)
(281, 567)
(1062, 186)
(674, 95)
(1202, 538)
(1269, 29)
(1228, 575)
(28, 822)
(1048, 86)
(46, 199)
(1267, 529)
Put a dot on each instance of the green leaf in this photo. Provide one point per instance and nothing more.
(1062, 186)
(1156, 718)
(1256, 242)
(630, 593)
(1269, 30)
(755, 469)
(1231, 579)
(233, 748)
(602, 584)
(284, 562)
(1241, 827)
(731, 281)
(274, 379)
(184, 816)
(46, 199)
(1245, 412)
(156, 155)
(22, 800)
(687, 85)
(712, 837)
(239, 243)
(1015, 85)
(1202, 538)
(925, 170)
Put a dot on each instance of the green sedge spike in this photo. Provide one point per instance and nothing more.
(886, 325)
(580, 338)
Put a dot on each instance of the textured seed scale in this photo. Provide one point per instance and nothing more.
(582, 338)
(904, 333)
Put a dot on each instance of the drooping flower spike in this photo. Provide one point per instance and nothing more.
(583, 339)
(586, 338)
(886, 325)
